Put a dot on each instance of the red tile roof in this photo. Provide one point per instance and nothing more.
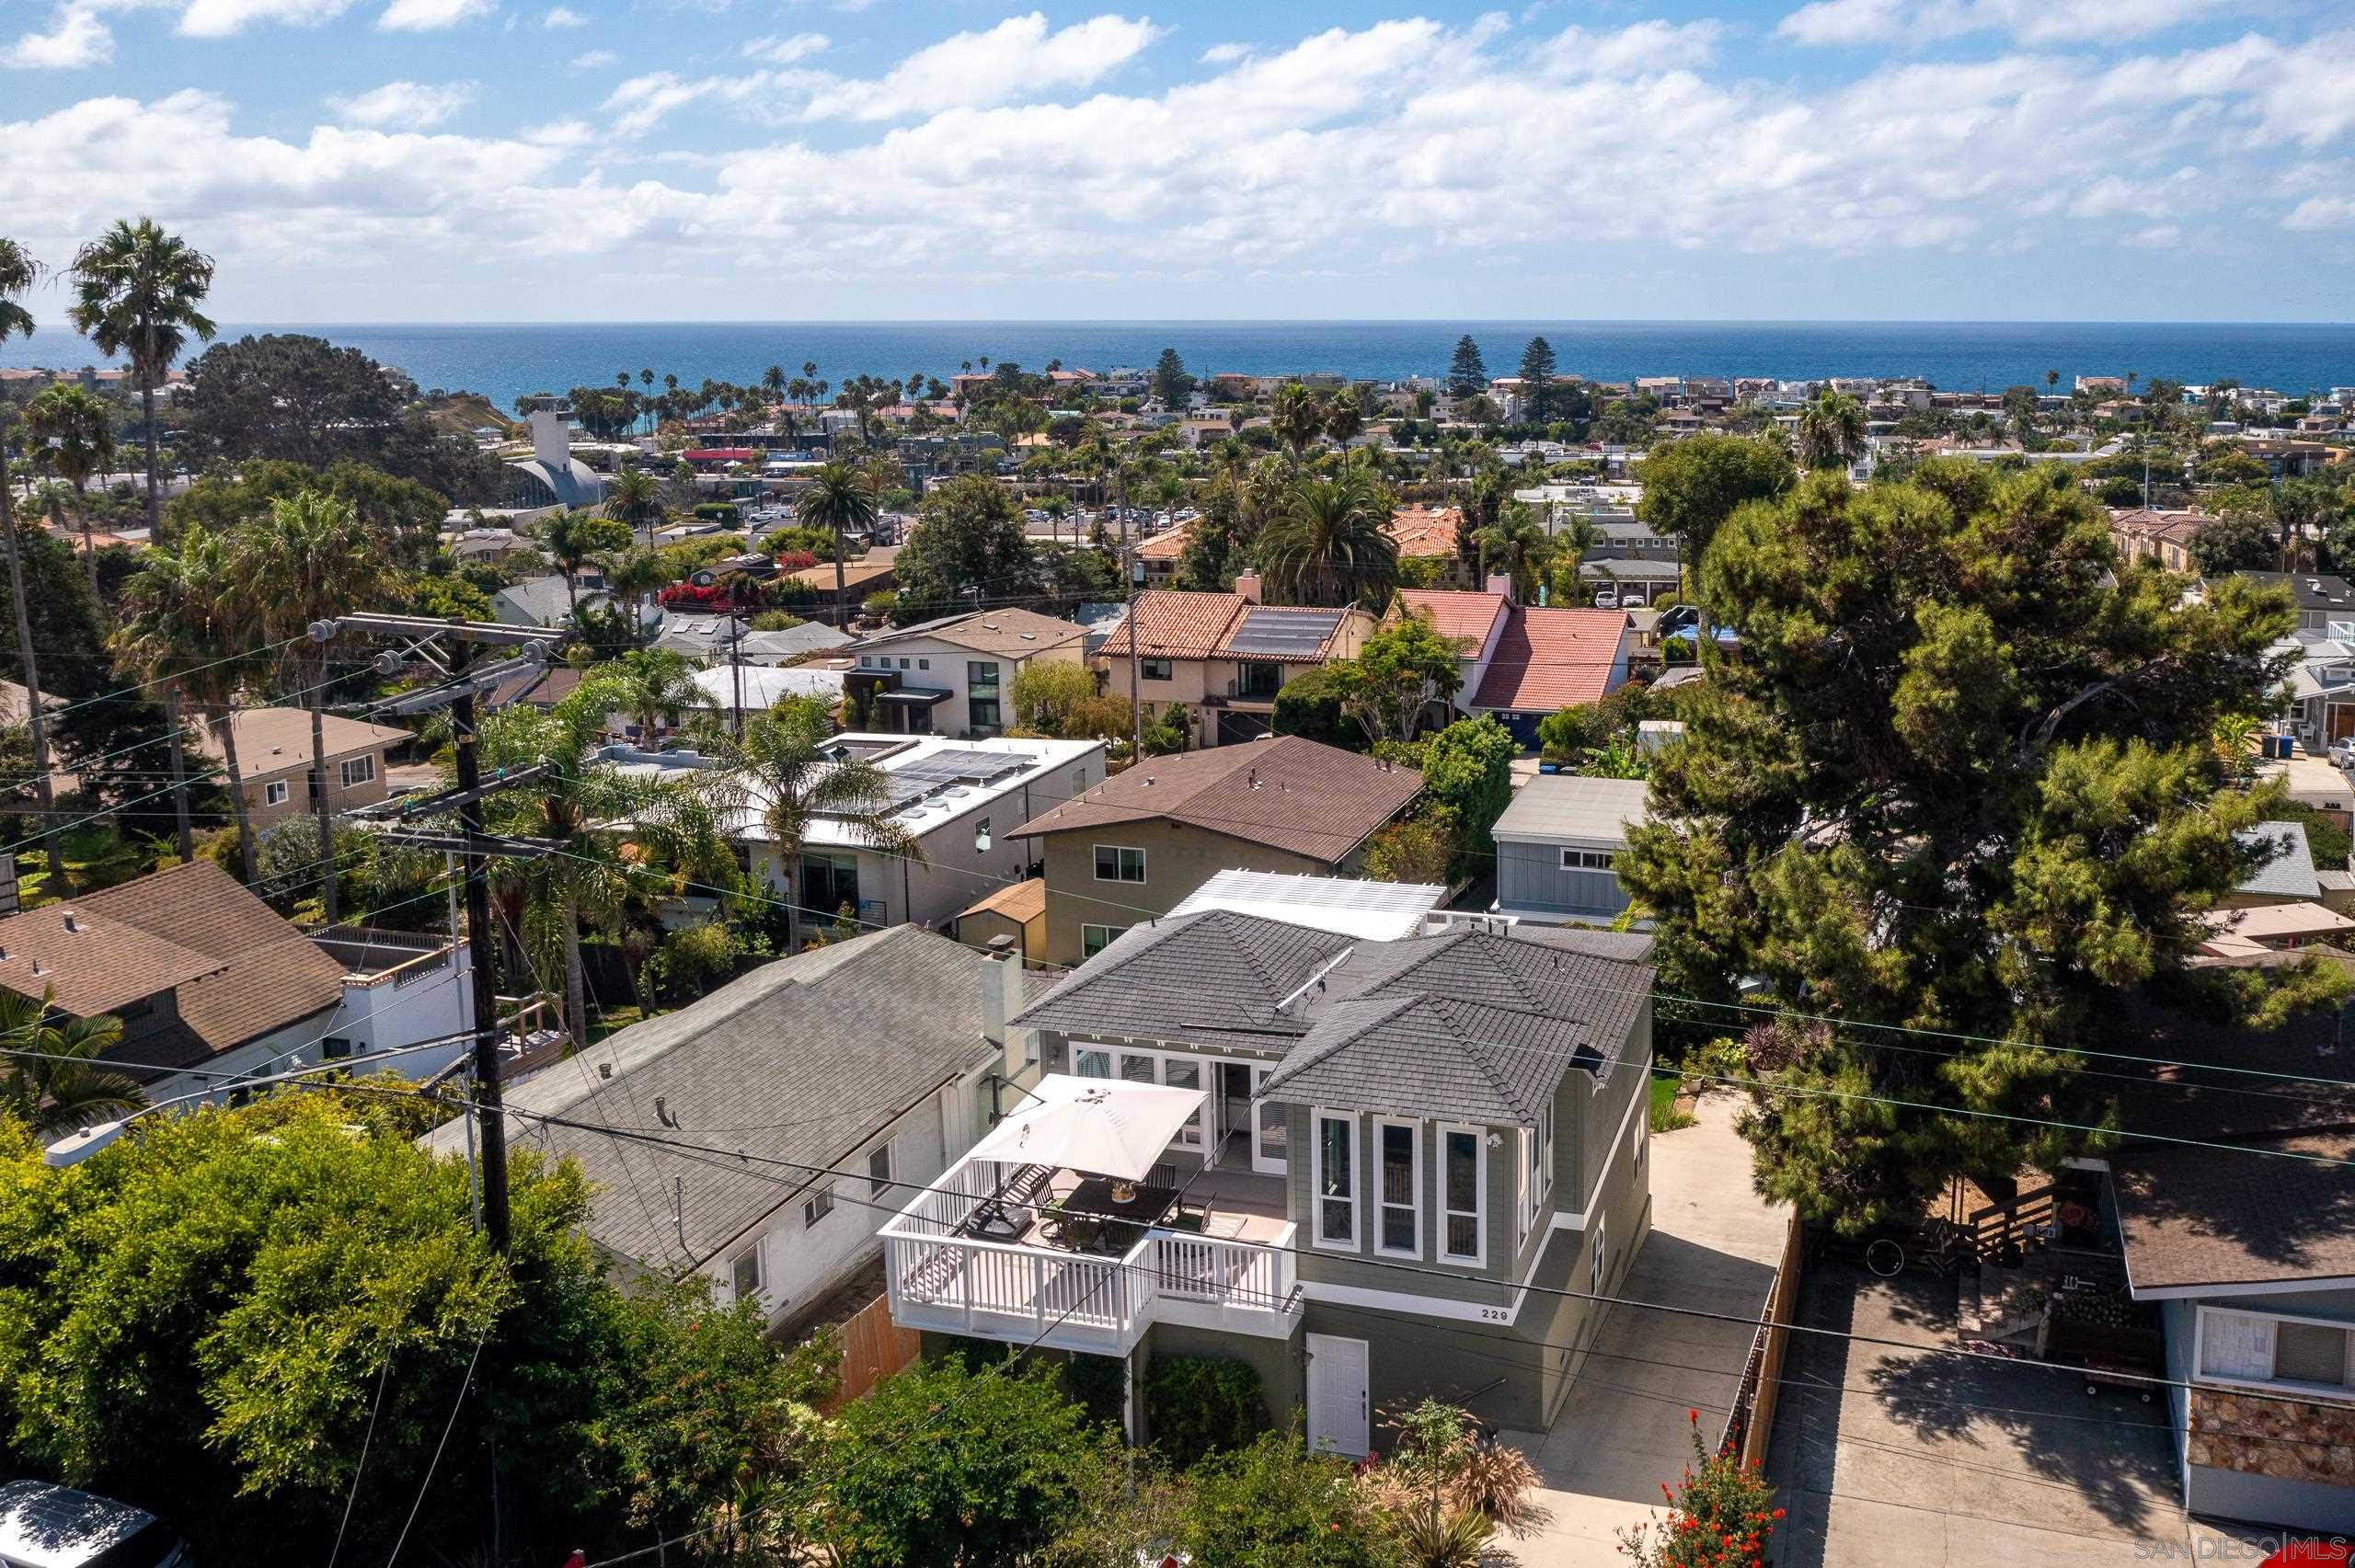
(1173, 624)
(1462, 618)
(1426, 530)
(1288, 793)
(1550, 659)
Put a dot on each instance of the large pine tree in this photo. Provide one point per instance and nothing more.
(1536, 381)
(1961, 776)
(1467, 373)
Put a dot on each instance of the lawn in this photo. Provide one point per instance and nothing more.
(1663, 1114)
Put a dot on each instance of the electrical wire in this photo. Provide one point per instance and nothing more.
(446, 1427)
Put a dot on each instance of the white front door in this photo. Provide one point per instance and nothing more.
(1338, 1415)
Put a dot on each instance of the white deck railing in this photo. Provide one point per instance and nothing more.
(945, 1282)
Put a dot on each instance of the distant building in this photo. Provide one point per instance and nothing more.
(552, 476)
(1558, 845)
(274, 761)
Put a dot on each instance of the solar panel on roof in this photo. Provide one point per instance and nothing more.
(1284, 631)
(968, 763)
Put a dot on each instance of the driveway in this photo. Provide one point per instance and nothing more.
(1624, 1429)
(1886, 1455)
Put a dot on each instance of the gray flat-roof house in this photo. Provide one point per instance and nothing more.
(1403, 1151)
(1559, 844)
(2288, 874)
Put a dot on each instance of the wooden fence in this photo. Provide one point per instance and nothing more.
(1751, 1423)
(873, 1348)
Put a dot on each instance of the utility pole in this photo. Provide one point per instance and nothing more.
(448, 648)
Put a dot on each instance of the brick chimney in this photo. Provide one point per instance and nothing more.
(1248, 585)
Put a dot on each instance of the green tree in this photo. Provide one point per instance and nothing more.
(1309, 705)
(1329, 543)
(1421, 848)
(1170, 382)
(288, 397)
(1692, 485)
(1295, 418)
(18, 271)
(1467, 373)
(2240, 540)
(968, 542)
(77, 429)
(1536, 381)
(782, 772)
(57, 1085)
(1518, 545)
(1274, 1504)
(943, 1465)
(635, 497)
(1044, 695)
(1344, 416)
(574, 540)
(840, 501)
(1832, 430)
(1962, 779)
(1467, 767)
(1390, 686)
(136, 294)
(653, 687)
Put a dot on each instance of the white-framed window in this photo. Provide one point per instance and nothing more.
(817, 1205)
(359, 771)
(879, 1171)
(2263, 1348)
(1094, 939)
(744, 1273)
(924, 664)
(1588, 860)
(1115, 864)
(1333, 1178)
(1092, 1062)
(1398, 1187)
(1463, 1183)
(274, 793)
(1597, 1265)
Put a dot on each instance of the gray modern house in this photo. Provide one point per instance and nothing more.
(1557, 848)
(1402, 1149)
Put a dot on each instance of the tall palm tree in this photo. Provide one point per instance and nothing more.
(635, 497)
(652, 687)
(78, 429)
(1328, 544)
(577, 804)
(839, 500)
(136, 290)
(188, 623)
(1295, 418)
(1517, 544)
(631, 576)
(50, 1095)
(1344, 416)
(781, 776)
(310, 559)
(17, 272)
(773, 382)
(573, 539)
(1832, 430)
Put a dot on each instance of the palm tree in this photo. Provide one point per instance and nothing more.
(1516, 544)
(782, 774)
(1328, 544)
(839, 500)
(136, 291)
(79, 429)
(773, 382)
(635, 497)
(572, 540)
(572, 805)
(1832, 430)
(54, 1096)
(1344, 416)
(652, 687)
(188, 622)
(17, 272)
(310, 559)
(631, 576)
(1294, 417)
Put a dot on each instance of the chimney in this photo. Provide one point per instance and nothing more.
(1248, 585)
(1501, 582)
(1001, 990)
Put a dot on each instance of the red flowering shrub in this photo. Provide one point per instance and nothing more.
(1721, 1515)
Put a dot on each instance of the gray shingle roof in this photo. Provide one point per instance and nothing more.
(1414, 1054)
(804, 1060)
(1213, 978)
(2291, 873)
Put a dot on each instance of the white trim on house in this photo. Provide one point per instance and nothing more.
(2342, 1391)
(1317, 1196)
(1414, 1204)
(1566, 1220)
(2256, 1288)
(1479, 1210)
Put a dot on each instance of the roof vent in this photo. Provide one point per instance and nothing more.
(73, 921)
(604, 1070)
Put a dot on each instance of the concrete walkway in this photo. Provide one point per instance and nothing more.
(1624, 1429)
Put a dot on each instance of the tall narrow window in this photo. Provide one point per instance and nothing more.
(1462, 1174)
(1598, 1268)
(1400, 1164)
(1336, 1194)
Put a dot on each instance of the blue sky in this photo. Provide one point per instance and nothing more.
(386, 160)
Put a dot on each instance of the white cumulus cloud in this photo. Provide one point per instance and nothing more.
(787, 50)
(563, 16)
(77, 39)
(594, 60)
(411, 105)
(431, 16)
(1854, 23)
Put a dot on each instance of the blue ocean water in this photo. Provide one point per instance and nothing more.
(507, 361)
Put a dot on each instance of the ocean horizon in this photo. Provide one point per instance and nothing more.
(504, 361)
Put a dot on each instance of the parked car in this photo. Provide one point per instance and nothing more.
(46, 1525)
(2342, 753)
(1606, 598)
(1678, 618)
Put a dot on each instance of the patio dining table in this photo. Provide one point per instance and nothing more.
(1090, 1217)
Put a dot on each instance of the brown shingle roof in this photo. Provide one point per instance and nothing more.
(1019, 901)
(240, 970)
(270, 741)
(1289, 793)
(1173, 624)
(1014, 632)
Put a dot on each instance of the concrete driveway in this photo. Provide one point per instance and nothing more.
(1624, 1430)
(1885, 1455)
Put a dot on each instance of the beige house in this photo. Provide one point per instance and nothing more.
(1223, 656)
(1017, 910)
(1140, 843)
(275, 759)
(955, 676)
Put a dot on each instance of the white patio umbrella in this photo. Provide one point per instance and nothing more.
(1104, 1127)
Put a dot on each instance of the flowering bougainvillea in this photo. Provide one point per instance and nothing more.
(1720, 1515)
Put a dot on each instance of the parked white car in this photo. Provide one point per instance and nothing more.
(46, 1525)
